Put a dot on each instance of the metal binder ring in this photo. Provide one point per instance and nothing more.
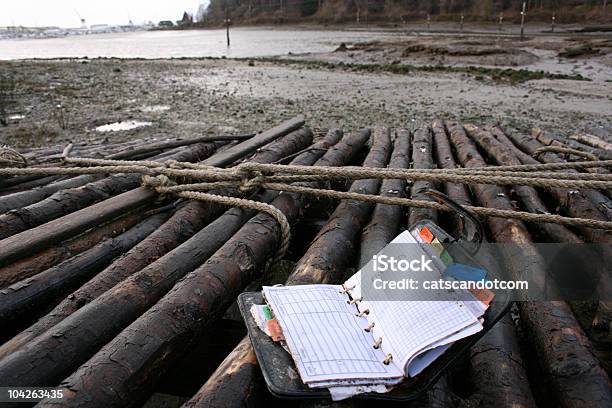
(361, 314)
(354, 301)
(370, 327)
(346, 290)
(387, 359)
(377, 343)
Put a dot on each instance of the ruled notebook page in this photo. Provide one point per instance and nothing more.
(325, 337)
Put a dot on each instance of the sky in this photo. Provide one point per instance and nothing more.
(65, 13)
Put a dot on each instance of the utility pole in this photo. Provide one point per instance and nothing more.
(428, 22)
(501, 21)
(461, 24)
(523, 22)
(552, 25)
(227, 23)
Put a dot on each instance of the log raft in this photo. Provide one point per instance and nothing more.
(160, 279)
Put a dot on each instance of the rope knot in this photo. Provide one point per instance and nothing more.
(11, 158)
(251, 180)
(173, 164)
(157, 182)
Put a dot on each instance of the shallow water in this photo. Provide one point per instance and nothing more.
(245, 42)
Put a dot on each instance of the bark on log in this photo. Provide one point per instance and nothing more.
(171, 144)
(177, 319)
(70, 200)
(20, 301)
(118, 307)
(548, 140)
(249, 146)
(592, 140)
(527, 194)
(27, 241)
(574, 202)
(39, 182)
(387, 220)
(421, 159)
(25, 198)
(233, 384)
(445, 160)
(187, 220)
(182, 225)
(62, 250)
(577, 377)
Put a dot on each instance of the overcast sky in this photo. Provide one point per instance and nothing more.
(64, 13)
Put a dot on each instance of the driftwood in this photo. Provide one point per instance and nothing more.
(563, 349)
(549, 140)
(527, 194)
(62, 250)
(116, 308)
(67, 201)
(22, 300)
(233, 384)
(421, 159)
(387, 220)
(201, 297)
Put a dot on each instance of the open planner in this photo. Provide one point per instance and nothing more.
(339, 339)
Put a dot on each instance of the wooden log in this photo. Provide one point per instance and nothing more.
(421, 159)
(549, 140)
(592, 140)
(194, 302)
(233, 383)
(171, 144)
(67, 201)
(25, 198)
(64, 249)
(28, 185)
(574, 202)
(249, 146)
(116, 308)
(527, 194)
(495, 380)
(25, 299)
(182, 225)
(386, 221)
(564, 352)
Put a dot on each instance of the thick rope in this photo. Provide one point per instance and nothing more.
(11, 158)
(564, 150)
(249, 176)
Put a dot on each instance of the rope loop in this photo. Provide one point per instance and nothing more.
(563, 150)
(12, 158)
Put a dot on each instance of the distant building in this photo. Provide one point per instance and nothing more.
(166, 23)
(187, 20)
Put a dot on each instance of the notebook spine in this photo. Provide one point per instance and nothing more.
(355, 301)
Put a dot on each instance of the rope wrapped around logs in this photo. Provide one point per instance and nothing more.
(172, 178)
(11, 158)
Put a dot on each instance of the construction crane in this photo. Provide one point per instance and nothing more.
(83, 22)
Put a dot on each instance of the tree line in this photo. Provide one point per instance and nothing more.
(358, 11)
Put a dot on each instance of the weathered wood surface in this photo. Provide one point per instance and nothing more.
(178, 318)
(64, 249)
(27, 197)
(422, 158)
(563, 350)
(387, 220)
(527, 194)
(233, 383)
(497, 380)
(69, 200)
(22, 300)
(116, 308)
(592, 140)
(182, 225)
(249, 146)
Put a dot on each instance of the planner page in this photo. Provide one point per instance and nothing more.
(325, 336)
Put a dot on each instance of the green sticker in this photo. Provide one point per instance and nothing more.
(446, 258)
(267, 313)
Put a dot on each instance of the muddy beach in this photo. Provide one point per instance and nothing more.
(403, 80)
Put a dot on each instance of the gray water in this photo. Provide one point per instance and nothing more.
(245, 42)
